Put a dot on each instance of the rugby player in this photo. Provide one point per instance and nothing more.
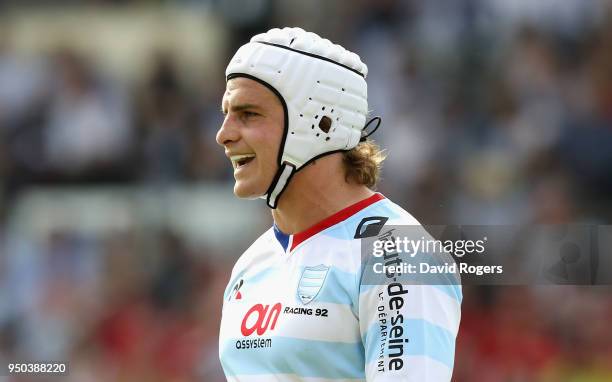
(296, 307)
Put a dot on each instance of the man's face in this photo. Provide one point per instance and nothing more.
(251, 134)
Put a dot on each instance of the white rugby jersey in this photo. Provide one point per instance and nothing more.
(296, 309)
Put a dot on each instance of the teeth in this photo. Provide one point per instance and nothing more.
(237, 158)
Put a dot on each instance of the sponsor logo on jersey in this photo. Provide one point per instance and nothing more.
(260, 318)
(370, 226)
(236, 294)
(311, 282)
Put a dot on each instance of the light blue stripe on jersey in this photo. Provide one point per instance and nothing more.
(301, 357)
(254, 279)
(261, 276)
(338, 288)
(452, 291)
(425, 339)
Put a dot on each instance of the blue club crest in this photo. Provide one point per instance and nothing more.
(311, 282)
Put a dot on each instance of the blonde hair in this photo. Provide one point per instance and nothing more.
(363, 163)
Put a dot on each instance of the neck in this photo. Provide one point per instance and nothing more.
(314, 193)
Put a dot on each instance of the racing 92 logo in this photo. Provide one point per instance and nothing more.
(259, 318)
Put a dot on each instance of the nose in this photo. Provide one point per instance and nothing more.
(228, 132)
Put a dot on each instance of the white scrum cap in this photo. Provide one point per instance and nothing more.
(322, 89)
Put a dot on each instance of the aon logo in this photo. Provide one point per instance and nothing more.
(259, 318)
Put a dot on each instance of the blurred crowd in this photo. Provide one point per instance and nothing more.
(494, 112)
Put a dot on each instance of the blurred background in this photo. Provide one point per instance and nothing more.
(118, 227)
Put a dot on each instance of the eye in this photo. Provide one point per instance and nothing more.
(249, 114)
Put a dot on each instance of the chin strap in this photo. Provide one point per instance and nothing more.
(279, 184)
(365, 134)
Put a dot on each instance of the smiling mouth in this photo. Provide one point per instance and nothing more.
(239, 161)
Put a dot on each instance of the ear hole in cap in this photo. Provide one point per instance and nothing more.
(325, 124)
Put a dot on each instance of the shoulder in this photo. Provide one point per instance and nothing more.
(362, 222)
(382, 213)
(262, 243)
(256, 254)
(398, 215)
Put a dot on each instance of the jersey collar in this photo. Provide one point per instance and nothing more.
(292, 241)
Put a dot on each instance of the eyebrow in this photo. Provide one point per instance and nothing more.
(241, 107)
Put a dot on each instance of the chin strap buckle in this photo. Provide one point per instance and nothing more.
(279, 184)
